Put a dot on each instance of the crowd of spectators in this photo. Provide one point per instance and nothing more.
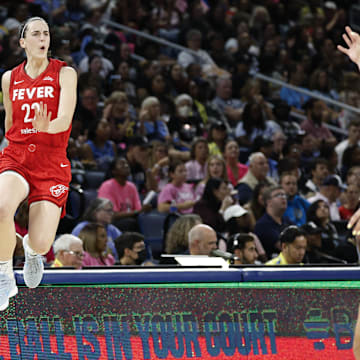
(197, 130)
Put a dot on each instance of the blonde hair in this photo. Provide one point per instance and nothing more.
(150, 100)
(116, 96)
(176, 240)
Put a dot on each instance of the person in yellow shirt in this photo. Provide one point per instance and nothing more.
(293, 247)
(68, 251)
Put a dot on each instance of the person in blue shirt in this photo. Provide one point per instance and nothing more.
(270, 225)
(296, 205)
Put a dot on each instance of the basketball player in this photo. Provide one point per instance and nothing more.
(352, 40)
(39, 100)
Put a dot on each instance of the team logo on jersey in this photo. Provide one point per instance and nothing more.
(58, 190)
(48, 78)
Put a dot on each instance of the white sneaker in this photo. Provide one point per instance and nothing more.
(33, 268)
(8, 289)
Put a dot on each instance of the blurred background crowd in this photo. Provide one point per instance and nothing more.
(238, 114)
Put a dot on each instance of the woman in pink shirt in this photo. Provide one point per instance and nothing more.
(235, 170)
(95, 239)
(177, 193)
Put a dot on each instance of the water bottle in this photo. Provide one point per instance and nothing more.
(173, 207)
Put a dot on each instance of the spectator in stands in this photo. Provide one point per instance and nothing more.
(87, 113)
(225, 102)
(177, 194)
(320, 84)
(318, 213)
(186, 123)
(296, 204)
(317, 114)
(151, 124)
(199, 56)
(351, 158)
(216, 168)
(308, 152)
(243, 247)
(329, 153)
(213, 203)
(254, 124)
(178, 82)
(94, 239)
(123, 195)
(294, 98)
(351, 203)
(256, 204)
(293, 247)
(352, 139)
(258, 169)
(100, 211)
(202, 240)
(92, 77)
(217, 138)
(269, 226)
(196, 168)
(137, 156)
(240, 220)
(319, 171)
(353, 176)
(279, 140)
(329, 192)
(235, 170)
(313, 253)
(177, 237)
(68, 251)
(121, 116)
(99, 147)
(160, 163)
(131, 248)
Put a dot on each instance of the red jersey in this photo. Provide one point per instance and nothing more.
(25, 95)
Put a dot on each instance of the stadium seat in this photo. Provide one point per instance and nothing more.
(151, 226)
(89, 196)
(93, 179)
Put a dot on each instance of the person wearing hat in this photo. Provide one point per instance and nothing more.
(243, 247)
(329, 192)
(293, 247)
(239, 220)
(137, 156)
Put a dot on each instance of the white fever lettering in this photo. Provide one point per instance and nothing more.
(40, 92)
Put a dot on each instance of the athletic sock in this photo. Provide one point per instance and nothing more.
(6, 267)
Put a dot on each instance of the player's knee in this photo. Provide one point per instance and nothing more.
(6, 214)
(41, 244)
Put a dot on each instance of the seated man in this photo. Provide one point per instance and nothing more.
(131, 248)
(202, 240)
(68, 251)
(270, 225)
(293, 247)
(243, 247)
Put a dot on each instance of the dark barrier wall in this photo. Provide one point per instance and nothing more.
(227, 320)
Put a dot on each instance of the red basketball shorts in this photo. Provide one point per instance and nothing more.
(47, 171)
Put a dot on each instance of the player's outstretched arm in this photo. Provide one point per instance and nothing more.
(352, 40)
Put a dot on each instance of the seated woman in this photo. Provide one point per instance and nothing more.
(100, 211)
(99, 147)
(215, 200)
(319, 213)
(94, 239)
(160, 163)
(177, 195)
(151, 124)
(176, 240)
(235, 170)
(196, 167)
(216, 168)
